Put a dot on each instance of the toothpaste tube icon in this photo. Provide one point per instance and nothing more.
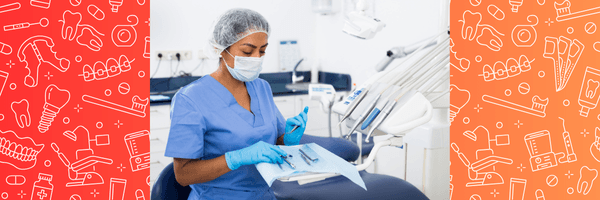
(588, 95)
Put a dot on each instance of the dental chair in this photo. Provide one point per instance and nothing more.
(379, 186)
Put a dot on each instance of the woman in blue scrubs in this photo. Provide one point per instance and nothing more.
(224, 123)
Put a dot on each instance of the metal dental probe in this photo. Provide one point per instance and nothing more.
(304, 158)
(354, 104)
(305, 154)
(288, 162)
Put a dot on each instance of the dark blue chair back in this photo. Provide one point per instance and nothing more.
(166, 187)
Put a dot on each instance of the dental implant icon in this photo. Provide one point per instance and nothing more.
(460, 98)
(56, 99)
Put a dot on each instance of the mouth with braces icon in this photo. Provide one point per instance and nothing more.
(20, 152)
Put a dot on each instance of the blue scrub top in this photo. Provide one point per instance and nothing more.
(207, 122)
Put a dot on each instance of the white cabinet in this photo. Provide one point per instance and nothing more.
(159, 133)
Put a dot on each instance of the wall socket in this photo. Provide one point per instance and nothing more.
(171, 55)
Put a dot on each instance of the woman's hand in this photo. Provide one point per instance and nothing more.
(294, 137)
(257, 153)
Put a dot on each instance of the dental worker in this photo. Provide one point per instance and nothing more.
(224, 123)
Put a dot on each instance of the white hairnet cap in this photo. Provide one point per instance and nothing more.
(232, 26)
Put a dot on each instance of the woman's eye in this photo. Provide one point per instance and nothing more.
(247, 53)
(262, 52)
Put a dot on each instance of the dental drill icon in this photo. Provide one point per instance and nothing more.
(21, 111)
(458, 103)
(56, 99)
(590, 89)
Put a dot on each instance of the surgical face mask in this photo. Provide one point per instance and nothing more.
(246, 68)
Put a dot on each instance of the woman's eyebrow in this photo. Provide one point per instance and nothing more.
(251, 45)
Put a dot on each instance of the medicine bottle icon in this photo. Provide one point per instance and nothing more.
(42, 188)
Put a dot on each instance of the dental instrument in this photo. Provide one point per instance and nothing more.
(304, 158)
(304, 153)
(288, 162)
(295, 127)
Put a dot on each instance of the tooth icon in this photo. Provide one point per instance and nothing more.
(592, 88)
(470, 24)
(500, 70)
(21, 110)
(19, 152)
(513, 67)
(586, 179)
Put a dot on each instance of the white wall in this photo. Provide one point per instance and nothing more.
(184, 25)
(407, 22)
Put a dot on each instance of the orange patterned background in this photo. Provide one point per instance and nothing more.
(521, 67)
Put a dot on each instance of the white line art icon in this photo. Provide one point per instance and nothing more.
(5, 49)
(586, 179)
(115, 5)
(570, 157)
(10, 7)
(539, 194)
(525, 35)
(515, 5)
(85, 159)
(595, 147)
(537, 109)
(86, 35)
(517, 189)
(590, 89)
(597, 46)
(563, 11)
(495, 12)
(486, 35)
(117, 189)
(125, 35)
(139, 194)
(565, 53)
(55, 99)
(19, 152)
(3, 79)
(481, 171)
(110, 69)
(37, 52)
(42, 188)
(502, 71)
(100, 140)
(45, 4)
(147, 47)
(552, 180)
(75, 2)
(138, 149)
(475, 2)
(539, 146)
(21, 111)
(43, 23)
(463, 98)
(15, 179)
(590, 27)
(138, 106)
(95, 12)
(463, 65)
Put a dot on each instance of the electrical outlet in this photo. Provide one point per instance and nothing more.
(171, 55)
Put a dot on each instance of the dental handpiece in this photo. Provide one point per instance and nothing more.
(384, 113)
(304, 158)
(363, 115)
(354, 104)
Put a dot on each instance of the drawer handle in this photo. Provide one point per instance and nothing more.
(282, 100)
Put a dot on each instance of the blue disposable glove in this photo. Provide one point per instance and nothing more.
(299, 120)
(257, 153)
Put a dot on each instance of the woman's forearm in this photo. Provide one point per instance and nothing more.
(280, 140)
(192, 171)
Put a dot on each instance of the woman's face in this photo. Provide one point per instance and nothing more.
(253, 45)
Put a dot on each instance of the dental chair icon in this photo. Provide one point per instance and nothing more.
(479, 171)
(85, 158)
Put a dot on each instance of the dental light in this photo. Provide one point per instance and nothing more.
(359, 25)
